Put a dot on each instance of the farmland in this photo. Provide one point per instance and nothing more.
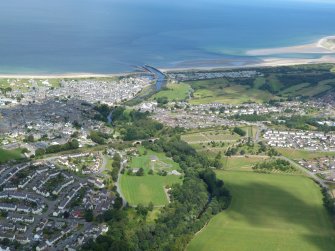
(271, 84)
(206, 136)
(303, 154)
(268, 212)
(218, 90)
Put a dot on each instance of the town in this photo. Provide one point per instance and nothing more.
(81, 150)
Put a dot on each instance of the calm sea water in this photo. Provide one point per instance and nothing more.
(107, 36)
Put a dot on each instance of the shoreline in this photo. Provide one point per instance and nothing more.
(325, 45)
(65, 75)
(265, 62)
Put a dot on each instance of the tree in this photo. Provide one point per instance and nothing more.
(30, 138)
(140, 172)
(88, 215)
(118, 202)
(239, 131)
(40, 152)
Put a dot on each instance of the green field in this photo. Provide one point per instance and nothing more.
(303, 154)
(146, 189)
(149, 188)
(241, 163)
(175, 92)
(7, 155)
(275, 83)
(218, 90)
(268, 212)
(210, 135)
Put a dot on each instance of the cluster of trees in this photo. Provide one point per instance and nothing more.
(161, 101)
(305, 122)
(252, 117)
(251, 148)
(70, 145)
(239, 131)
(328, 201)
(99, 137)
(274, 164)
(103, 111)
(116, 165)
(139, 172)
(135, 125)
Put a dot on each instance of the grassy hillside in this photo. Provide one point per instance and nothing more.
(268, 212)
(271, 83)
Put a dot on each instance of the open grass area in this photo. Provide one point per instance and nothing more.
(175, 92)
(153, 160)
(146, 189)
(210, 135)
(303, 154)
(241, 163)
(7, 155)
(268, 212)
(273, 83)
(150, 187)
(219, 90)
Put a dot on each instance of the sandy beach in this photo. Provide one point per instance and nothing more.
(265, 62)
(325, 45)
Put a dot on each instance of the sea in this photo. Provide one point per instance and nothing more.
(113, 36)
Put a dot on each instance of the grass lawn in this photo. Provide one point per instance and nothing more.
(302, 154)
(268, 212)
(145, 161)
(7, 155)
(149, 188)
(146, 189)
(174, 92)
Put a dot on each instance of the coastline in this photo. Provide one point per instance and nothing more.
(325, 45)
(65, 75)
(264, 62)
(267, 62)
